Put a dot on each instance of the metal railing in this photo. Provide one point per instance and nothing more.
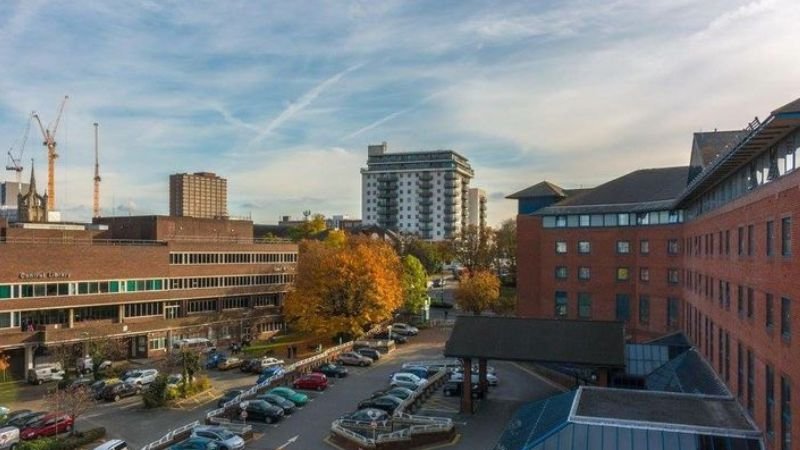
(169, 437)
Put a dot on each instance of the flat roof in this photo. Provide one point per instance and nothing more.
(580, 342)
(667, 411)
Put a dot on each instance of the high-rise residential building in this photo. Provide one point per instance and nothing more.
(424, 193)
(200, 194)
(476, 208)
(707, 249)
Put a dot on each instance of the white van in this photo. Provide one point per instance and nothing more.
(45, 372)
(9, 438)
(114, 444)
(202, 345)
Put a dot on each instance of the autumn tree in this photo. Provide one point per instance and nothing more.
(478, 292)
(415, 284)
(430, 254)
(105, 349)
(309, 228)
(336, 238)
(505, 250)
(5, 364)
(472, 248)
(344, 289)
(73, 402)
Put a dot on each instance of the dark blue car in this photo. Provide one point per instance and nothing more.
(268, 373)
(213, 360)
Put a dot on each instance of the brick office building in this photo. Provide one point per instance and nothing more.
(706, 249)
(147, 280)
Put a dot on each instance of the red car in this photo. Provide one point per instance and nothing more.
(317, 381)
(49, 425)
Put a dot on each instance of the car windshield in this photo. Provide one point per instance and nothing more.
(225, 434)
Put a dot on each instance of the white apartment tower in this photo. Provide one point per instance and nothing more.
(477, 208)
(423, 193)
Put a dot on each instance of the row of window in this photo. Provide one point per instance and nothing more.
(29, 290)
(231, 258)
(621, 274)
(702, 330)
(622, 308)
(622, 247)
(32, 290)
(746, 303)
(613, 220)
(710, 244)
(776, 162)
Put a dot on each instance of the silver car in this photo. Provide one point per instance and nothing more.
(354, 359)
(222, 437)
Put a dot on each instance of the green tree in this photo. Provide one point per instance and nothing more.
(430, 254)
(505, 251)
(309, 228)
(344, 289)
(415, 284)
(472, 248)
(156, 394)
(105, 349)
(478, 292)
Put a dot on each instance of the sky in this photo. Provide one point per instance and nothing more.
(282, 98)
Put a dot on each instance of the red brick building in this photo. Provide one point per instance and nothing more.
(707, 249)
(149, 281)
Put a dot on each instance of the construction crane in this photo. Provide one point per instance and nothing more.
(49, 136)
(96, 198)
(15, 164)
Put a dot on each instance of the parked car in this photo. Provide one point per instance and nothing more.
(353, 359)
(421, 372)
(288, 406)
(49, 425)
(195, 443)
(289, 394)
(113, 444)
(398, 339)
(404, 329)
(76, 383)
(99, 386)
(269, 372)
(141, 377)
(252, 365)
(222, 437)
(115, 392)
(229, 362)
(14, 414)
(388, 403)
(9, 438)
(332, 370)
(367, 415)
(270, 362)
(23, 421)
(475, 368)
(407, 380)
(262, 411)
(228, 396)
(369, 353)
(213, 359)
(490, 377)
(314, 381)
(453, 388)
(44, 373)
(174, 379)
(399, 392)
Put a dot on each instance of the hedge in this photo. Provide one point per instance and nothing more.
(68, 443)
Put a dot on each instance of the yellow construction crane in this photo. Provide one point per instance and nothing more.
(49, 136)
(96, 198)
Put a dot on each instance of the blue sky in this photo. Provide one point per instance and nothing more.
(282, 98)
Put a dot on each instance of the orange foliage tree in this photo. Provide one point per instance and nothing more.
(344, 288)
(478, 292)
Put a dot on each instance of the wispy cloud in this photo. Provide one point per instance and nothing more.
(393, 115)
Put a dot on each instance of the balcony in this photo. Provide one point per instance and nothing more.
(426, 177)
(426, 219)
(451, 185)
(390, 185)
(424, 210)
(426, 228)
(450, 219)
(387, 210)
(387, 203)
(449, 229)
(451, 193)
(451, 176)
(424, 185)
(425, 203)
(387, 194)
(384, 178)
(426, 194)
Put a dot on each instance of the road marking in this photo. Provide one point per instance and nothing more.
(536, 375)
(328, 441)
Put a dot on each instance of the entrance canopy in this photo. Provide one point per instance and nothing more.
(579, 342)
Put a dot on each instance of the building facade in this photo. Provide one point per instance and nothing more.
(423, 193)
(476, 208)
(8, 199)
(720, 261)
(148, 281)
(202, 194)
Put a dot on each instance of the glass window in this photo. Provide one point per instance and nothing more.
(561, 221)
(770, 236)
(644, 247)
(769, 397)
(672, 247)
(623, 274)
(5, 291)
(644, 274)
(584, 247)
(561, 272)
(584, 273)
(623, 247)
(623, 220)
(786, 318)
(673, 277)
(548, 222)
(740, 235)
(584, 305)
(786, 414)
(561, 247)
(673, 309)
(786, 236)
(597, 220)
(561, 304)
(610, 220)
(750, 239)
(583, 220)
(572, 221)
(769, 319)
(644, 309)
(623, 307)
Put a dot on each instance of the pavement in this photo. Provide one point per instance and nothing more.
(310, 426)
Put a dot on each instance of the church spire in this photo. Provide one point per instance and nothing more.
(32, 187)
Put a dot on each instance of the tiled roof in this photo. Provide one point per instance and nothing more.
(541, 189)
(593, 343)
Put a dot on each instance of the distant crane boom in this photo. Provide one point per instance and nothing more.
(96, 196)
(49, 136)
(15, 164)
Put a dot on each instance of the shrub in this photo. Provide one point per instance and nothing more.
(156, 395)
(78, 440)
